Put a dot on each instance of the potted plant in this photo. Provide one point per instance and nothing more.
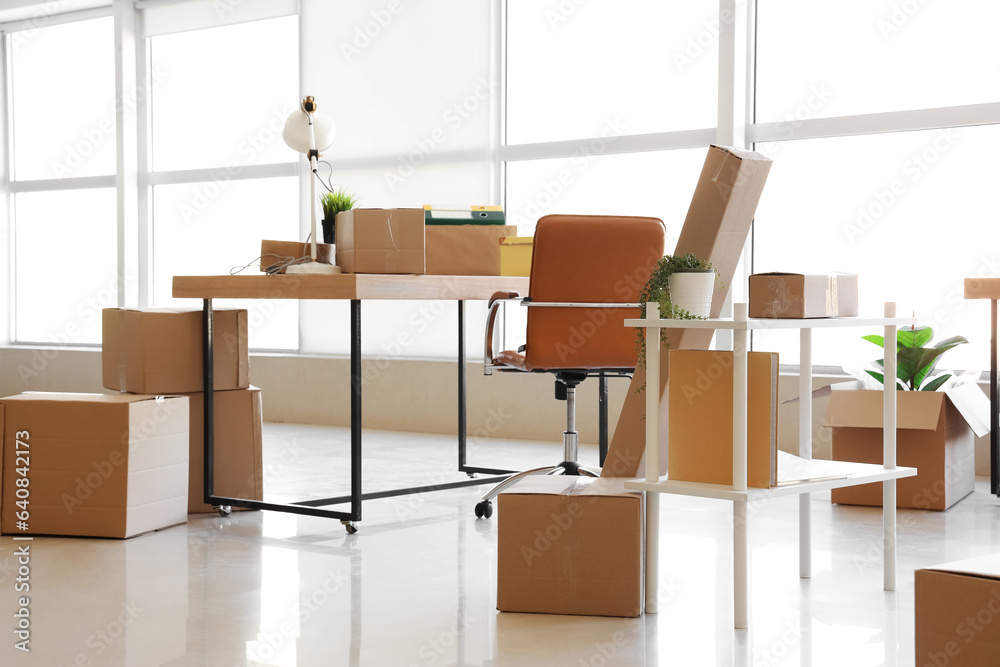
(334, 202)
(682, 285)
(915, 361)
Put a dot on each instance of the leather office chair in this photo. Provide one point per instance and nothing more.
(586, 273)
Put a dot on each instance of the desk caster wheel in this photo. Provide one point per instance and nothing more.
(350, 526)
(223, 510)
(472, 475)
(484, 508)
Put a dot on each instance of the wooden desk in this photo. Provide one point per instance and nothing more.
(355, 288)
(989, 288)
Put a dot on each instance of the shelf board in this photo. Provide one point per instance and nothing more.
(810, 476)
(764, 324)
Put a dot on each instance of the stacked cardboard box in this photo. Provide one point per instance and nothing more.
(159, 351)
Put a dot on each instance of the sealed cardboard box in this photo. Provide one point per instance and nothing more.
(570, 545)
(466, 250)
(381, 240)
(96, 465)
(700, 395)
(796, 296)
(956, 611)
(715, 229)
(274, 253)
(515, 255)
(934, 434)
(159, 350)
(238, 461)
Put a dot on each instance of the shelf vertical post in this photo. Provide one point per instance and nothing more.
(805, 448)
(889, 451)
(652, 457)
(741, 541)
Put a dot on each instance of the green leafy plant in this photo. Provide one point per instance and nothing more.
(915, 361)
(336, 201)
(657, 289)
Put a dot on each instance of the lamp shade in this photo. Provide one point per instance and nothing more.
(296, 132)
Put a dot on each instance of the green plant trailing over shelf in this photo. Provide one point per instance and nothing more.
(657, 289)
(914, 360)
(336, 201)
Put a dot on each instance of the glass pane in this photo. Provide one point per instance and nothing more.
(221, 96)
(63, 94)
(869, 56)
(908, 212)
(210, 228)
(645, 65)
(65, 272)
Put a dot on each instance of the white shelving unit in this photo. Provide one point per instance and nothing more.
(807, 477)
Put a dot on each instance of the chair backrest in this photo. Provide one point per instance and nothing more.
(588, 259)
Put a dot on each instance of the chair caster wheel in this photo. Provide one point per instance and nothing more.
(484, 508)
(350, 526)
(223, 510)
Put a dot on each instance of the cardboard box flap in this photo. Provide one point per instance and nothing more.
(973, 405)
(863, 408)
(987, 567)
(572, 485)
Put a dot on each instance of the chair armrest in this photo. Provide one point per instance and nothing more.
(494, 305)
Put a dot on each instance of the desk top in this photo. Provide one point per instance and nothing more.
(346, 286)
(982, 288)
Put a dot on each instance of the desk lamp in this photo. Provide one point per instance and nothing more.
(309, 132)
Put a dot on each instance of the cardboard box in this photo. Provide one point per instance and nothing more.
(515, 255)
(97, 465)
(797, 296)
(160, 350)
(934, 434)
(715, 229)
(465, 250)
(239, 468)
(381, 240)
(700, 430)
(272, 252)
(570, 545)
(955, 606)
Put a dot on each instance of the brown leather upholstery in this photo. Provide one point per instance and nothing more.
(589, 259)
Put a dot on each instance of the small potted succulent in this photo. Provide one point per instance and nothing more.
(683, 286)
(334, 202)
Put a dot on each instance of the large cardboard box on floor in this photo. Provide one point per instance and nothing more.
(160, 350)
(381, 240)
(570, 545)
(237, 451)
(934, 433)
(96, 465)
(957, 613)
(715, 230)
(797, 296)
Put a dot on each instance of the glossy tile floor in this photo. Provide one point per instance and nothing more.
(417, 585)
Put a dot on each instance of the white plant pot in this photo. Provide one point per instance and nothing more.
(692, 291)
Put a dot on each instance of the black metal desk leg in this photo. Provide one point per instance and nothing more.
(461, 386)
(356, 382)
(602, 416)
(994, 404)
(208, 387)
